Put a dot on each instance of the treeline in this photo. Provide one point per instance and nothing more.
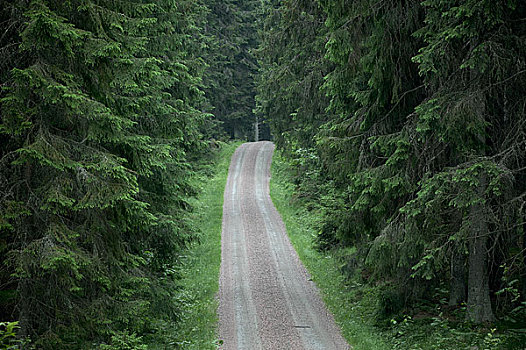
(106, 112)
(406, 124)
(230, 83)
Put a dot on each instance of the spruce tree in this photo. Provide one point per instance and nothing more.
(421, 142)
(99, 112)
(291, 56)
(470, 62)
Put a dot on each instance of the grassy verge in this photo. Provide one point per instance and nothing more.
(200, 266)
(323, 268)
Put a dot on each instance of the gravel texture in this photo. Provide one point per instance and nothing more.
(267, 300)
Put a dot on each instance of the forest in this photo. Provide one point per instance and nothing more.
(403, 124)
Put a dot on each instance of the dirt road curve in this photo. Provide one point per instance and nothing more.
(266, 298)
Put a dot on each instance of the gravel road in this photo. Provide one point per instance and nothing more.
(267, 300)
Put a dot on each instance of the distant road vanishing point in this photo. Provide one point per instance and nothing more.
(267, 300)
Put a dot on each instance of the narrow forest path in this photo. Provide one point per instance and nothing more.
(267, 300)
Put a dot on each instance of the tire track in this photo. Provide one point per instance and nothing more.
(266, 298)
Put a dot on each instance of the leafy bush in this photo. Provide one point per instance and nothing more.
(8, 339)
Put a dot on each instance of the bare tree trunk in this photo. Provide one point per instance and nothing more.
(479, 303)
(24, 315)
(523, 260)
(457, 290)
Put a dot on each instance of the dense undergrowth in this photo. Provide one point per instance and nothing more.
(370, 315)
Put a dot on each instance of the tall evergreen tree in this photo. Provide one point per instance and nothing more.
(291, 56)
(99, 118)
(292, 70)
(472, 69)
(421, 142)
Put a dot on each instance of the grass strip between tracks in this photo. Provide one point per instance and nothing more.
(324, 268)
(201, 263)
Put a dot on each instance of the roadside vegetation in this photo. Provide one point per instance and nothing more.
(367, 314)
(109, 111)
(404, 123)
(323, 267)
(199, 266)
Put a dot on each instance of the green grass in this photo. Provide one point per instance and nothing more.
(200, 266)
(323, 268)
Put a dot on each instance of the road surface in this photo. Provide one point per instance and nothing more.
(266, 297)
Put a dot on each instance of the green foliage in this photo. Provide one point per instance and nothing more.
(199, 268)
(232, 35)
(101, 121)
(352, 311)
(390, 303)
(292, 71)
(405, 124)
(376, 316)
(8, 335)
(124, 341)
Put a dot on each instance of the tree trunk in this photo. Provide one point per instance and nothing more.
(24, 314)
(479, 303)
(458, 283)
(523, 260)
(457, 290)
